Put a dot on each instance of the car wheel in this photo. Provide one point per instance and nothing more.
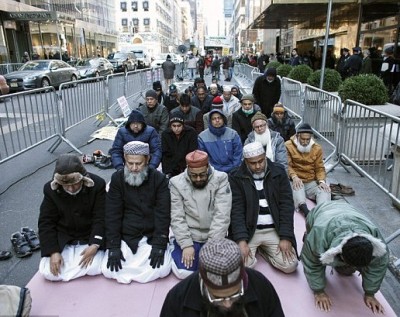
(45, 82)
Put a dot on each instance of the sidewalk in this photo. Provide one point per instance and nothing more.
(23, 178)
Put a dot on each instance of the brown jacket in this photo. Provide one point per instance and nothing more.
(307, 166)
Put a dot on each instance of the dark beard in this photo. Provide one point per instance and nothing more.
(236, 310)
(200, 185)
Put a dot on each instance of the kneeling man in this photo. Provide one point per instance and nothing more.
(71, 222)
(137, 220)
(262, 210)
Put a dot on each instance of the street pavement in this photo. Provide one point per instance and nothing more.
(23, 177)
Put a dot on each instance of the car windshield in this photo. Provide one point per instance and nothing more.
(162, 57)
(35, 65)
(120, 55)
(139, 54)
(88, 62)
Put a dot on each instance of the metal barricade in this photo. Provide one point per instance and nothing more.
(116, 87)
(369, 140)
(135, 85)
(292, 96)
(79, 101)
(8, 68)
(27, 119)
(322, 111)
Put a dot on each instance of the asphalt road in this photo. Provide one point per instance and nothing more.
(23, 177)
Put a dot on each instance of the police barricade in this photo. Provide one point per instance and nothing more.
(135, 84)
(322, 111)
(369, 140)
(10, 67)
(27, 119)
(292, 96)
(116, 87)
(79, 101)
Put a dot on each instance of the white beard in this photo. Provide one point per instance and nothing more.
(135, 179)
(265, 140)
(304, 149)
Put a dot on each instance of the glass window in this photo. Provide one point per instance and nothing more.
(123, 6)
(145, 5)
(135, 21)
(124, 22)
(146, 21)
(134, 5)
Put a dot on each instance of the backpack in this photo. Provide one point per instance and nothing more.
(395, 98)
(15, 301)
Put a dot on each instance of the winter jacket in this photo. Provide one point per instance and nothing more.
(353, 65)
(156, 117)
(225, 151)
(125, 134)
(64, 217)
(168, 68)
(241, 123)
(194, 118)
(205, 105)
(245, 203)
(267, 94)
(192, 62)
(307, 166)
(278, 147)
(286, 129)
(366, 66)
(171, 102)
(174, 150)
(186, 300)
(329, 226)
(230, 107)
(134, 212)
(200, 214)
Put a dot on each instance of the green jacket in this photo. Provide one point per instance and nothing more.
(329, 226)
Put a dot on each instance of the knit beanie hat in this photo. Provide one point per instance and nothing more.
(258, 116)
(278, 108)
(197, 158)
(151, 93)
(157, 85)
(248, 97)
(304, 128)
(176, 117)
(271, 71)
(221, 264)
(357, 251)
(69, 170)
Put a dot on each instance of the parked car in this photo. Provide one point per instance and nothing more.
(94, 67)
(124, 62)
(161, 58)
(41, 73)
(4, 88)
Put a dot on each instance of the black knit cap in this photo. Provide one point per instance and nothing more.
(357, 251)
(176, 117)
(304, 128)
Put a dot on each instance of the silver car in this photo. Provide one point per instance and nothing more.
(94, 67)
(41, 73)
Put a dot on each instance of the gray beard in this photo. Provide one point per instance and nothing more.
(258, 176)
(262, 138)
(135, 179)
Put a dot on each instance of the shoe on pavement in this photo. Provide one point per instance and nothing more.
(20, 245)
(5, 255)
(31, 237)
(104, 163)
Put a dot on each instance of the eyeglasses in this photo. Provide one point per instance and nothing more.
(199, 175)
(260, 126)
(220, 300)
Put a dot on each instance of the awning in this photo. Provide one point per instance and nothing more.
(282, 14)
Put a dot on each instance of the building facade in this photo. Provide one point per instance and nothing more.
(50, 28)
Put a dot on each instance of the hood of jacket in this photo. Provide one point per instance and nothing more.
(328, 257)
(220, 112)
(135, 116)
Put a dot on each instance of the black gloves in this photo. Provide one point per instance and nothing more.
(156, 256)
(114, 259)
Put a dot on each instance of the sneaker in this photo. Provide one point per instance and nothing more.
(104, 163)
(31, 237)
(5, 255)
(20, 245)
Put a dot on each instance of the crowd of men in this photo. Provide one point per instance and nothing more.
(233, 172)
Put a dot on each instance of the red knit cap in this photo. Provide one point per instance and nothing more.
(217, 101)
(197, 158)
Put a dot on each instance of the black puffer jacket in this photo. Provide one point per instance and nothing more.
(286, 129)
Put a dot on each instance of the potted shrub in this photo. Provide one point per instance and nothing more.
(274, 64)
(332, 79)
(366, 89)
(300, 73)
(284, 70)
